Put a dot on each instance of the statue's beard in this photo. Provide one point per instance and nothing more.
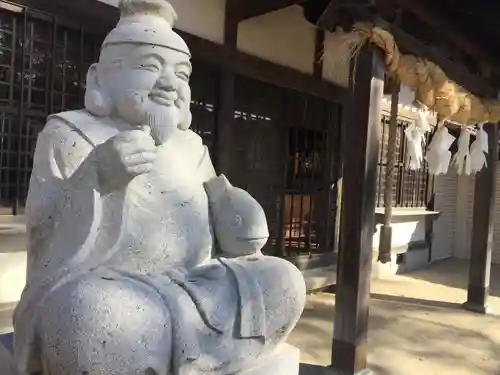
(162, 119)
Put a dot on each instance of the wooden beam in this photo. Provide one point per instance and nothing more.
(227, 57)
(407, 44)
(257, 8)
(482, 229)
(359, 10)
(226, 93)
(450, 31)
(97, 16)
(329, 14)
(456, 72)
(318, 53)
(360, 149)
(385, 243)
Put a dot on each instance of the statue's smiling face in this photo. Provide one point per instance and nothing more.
(148, 85)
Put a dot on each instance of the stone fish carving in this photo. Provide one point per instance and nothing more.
(240, 222)
(123, 212)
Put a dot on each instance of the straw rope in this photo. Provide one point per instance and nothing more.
(431, 85)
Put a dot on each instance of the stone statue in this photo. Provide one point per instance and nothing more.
(124, 212)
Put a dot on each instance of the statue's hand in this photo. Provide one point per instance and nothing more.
(125, 156)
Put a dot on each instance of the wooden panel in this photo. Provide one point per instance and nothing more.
(496, 235)
(482, 229)
(258, 149)
(360, 142)
(256, 8)
(262, 70)
(97, 16)
(204, 104)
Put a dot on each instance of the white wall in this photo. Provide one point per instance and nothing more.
(445, 202)
(453, 235)
(283, 37)
(203, 18)
(463, 216)
(403, 233)
(335, 70)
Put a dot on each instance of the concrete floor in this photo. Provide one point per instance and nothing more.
(416, 326)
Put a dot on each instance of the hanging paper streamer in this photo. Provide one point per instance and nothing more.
(422, 121)
(479, 150)
(415, 136)
(438, 155)
(462, 158)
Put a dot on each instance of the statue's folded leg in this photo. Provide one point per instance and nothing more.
(283, 291)
(104, 325)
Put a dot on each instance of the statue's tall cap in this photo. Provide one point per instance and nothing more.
(147, 22)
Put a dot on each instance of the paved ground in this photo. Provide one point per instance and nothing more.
(416, 326)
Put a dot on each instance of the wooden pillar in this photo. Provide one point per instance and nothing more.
(385, 244)
(360, 148)
(482, 229)
(319, 43)
(226, 104)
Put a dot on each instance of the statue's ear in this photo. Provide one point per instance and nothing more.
(97, 101)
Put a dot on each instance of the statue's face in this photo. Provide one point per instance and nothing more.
(149, 85)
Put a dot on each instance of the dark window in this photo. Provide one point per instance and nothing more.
(410, 187)
(204, 84)
(284, 152)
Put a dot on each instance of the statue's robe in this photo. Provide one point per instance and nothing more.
(156, 231)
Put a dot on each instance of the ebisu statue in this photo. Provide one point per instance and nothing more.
(124, 214)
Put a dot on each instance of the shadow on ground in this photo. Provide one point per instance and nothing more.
(454, 273)
(414, 325)
(416, 301)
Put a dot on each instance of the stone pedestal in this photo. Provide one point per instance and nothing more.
(284, 361)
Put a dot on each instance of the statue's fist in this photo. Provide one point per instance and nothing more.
(125, 156)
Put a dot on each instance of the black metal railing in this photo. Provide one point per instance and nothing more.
(410, 188)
